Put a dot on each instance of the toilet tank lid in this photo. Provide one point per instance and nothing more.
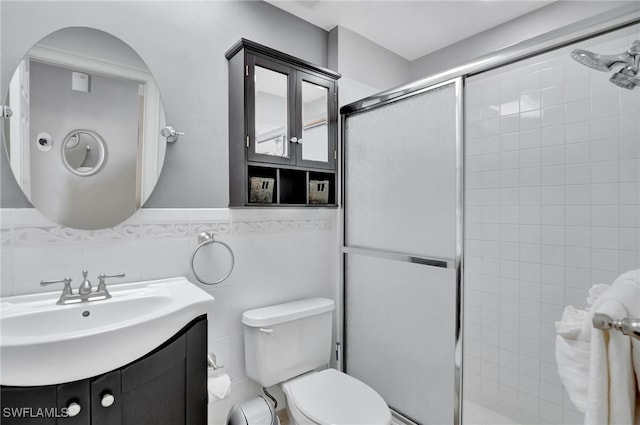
(275, 314)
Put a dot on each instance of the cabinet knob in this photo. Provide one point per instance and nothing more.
(73, 409)
(107, 400)
(294, 140)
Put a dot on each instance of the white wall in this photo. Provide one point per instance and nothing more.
(280, 256)
(552, 207)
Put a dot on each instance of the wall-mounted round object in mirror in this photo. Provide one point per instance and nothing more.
(91, 94)
(84, 152)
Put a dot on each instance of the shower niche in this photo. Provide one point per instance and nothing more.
(283, 129)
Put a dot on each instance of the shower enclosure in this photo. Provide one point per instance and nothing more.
(402, 249)
(488, 235)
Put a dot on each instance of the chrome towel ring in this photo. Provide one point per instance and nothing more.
(204, 239)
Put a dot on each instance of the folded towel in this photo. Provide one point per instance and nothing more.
(613, 385)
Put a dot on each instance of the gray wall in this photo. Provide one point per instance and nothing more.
(366, 67)
(183, 44)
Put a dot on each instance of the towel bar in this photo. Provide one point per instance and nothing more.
(630, 327)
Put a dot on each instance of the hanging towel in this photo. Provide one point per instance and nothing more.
(614, 367)
(572, 354)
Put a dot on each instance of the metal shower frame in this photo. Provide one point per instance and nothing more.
(612, 20)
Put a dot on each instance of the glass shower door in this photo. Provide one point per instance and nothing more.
(402, 245)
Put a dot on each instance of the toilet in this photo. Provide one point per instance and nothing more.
(285, 344)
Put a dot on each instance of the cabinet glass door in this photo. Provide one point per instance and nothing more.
(316, 145)
(271, 92)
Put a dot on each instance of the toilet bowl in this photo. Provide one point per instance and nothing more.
(286, 344)
(330, 397)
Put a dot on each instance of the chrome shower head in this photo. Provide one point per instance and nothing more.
(626, 78)
(599, 62)
(607, 62)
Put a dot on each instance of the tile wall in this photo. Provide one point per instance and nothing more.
(280, 256)
(552, 207)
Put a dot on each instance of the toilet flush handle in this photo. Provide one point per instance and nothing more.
(266, 330)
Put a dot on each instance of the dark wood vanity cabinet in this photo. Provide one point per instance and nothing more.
(283, 129)
(166, 387)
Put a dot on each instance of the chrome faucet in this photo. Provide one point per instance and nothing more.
(85, 290)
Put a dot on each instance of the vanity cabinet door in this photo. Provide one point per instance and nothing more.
(153, 388)
(74, 396)
(106, 399)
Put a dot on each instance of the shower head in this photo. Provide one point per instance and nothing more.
(602, 63)
(607, 62)
(626, 78)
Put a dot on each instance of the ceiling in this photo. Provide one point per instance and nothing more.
(411, 29)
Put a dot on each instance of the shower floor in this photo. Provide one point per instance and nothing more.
(475, 414)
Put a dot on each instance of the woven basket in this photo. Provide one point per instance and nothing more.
(261, 190)
(318, 191)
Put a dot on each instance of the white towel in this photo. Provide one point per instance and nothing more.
(613, 385)
(572, 354)
(573, 347)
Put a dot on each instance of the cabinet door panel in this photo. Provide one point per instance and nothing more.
(100, 387)
(160, 401)
(75, 392)
(197, 396)
(315, 123)
(153, 388)
(270, 89)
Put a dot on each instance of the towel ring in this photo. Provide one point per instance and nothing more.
(204, 239)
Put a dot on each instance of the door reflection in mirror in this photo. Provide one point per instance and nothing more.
(100, 105)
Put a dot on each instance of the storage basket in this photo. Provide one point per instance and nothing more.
(261, 190)
(318, 191)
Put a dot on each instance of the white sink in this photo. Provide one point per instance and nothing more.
(42, 343)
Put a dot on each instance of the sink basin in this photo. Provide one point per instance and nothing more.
(42, 343)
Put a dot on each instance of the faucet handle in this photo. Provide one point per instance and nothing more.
(67, 281)
(102, 277)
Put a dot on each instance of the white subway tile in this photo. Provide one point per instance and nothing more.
(530, 139)
(577, 90)
(577, 111)
(577, 174)
(628, 124)
(629, 170)
(577, 215)
(530, 120)
(577, 132)
(605, 106)
(629, 147)
(604, 128)
(605, 215)
(552, 96)
(553, 155)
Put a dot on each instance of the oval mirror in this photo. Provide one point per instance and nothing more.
(84, 140)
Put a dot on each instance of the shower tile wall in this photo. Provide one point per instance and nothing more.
(552, 207)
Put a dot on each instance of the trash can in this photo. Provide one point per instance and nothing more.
(258, 411)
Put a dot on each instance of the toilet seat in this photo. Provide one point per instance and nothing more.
(331, 397)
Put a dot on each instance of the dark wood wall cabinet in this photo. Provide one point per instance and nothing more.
(283, 129)
(166, 387)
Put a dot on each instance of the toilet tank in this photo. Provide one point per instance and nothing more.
(287, 340)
